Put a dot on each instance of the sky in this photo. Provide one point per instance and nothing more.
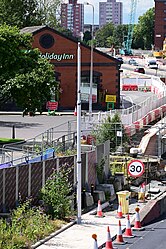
(142, 7)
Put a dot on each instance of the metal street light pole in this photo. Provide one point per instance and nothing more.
(78, 135)
(91, 63)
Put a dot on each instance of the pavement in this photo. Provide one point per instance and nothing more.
(79, 236)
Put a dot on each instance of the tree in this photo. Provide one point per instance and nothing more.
(144, 31)
(87, 37)
(24, 76)
(20, 13)
(24, 13)
(119, 34)
(102, 35)
(50, 11)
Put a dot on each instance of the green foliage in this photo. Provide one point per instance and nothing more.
(87, 37)
(55, 194)
(115, 36)
(102, 35)
(24, 76)
(144, 31)
(50, 12)
(10, 140)
(108, 131)
(26, 226)
(100, 170)
(20, 13)
(25, 13)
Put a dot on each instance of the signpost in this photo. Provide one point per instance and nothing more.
(110, 100)
(52, 105)
(136, 168)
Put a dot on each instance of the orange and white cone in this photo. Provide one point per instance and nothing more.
(137, 224)
(119, 237)
(99, 210)
(128, 231)
(75, 111)
(109, 240)
(141, 193)
(119, 212)
(95, 245)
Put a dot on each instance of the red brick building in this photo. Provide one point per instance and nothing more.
(160, 24)
(62, 53)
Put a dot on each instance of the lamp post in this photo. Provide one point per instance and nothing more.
(78, 135)
(91, 63)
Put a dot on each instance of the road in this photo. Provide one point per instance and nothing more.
(29, 127)
(161, 72)
(153, 237)
(134, 97)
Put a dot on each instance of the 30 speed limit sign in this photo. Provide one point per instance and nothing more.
(136, 168)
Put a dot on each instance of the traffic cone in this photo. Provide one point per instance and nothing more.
(109, 240)
(99, 210)
(75, 111)
(141, 193)
(119, 237)
(128, 231)
(95, 246)
(119, 212)
(137, 224)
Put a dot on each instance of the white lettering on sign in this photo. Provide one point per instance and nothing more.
(57, 57)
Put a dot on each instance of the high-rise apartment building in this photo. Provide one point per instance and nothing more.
(72, 17)
(110, 11)
(160, 24)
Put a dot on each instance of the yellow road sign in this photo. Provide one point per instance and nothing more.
(110, 98)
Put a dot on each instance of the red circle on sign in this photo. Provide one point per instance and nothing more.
(136, 168)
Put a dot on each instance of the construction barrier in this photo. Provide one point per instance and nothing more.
(129, 88)
(123, 198)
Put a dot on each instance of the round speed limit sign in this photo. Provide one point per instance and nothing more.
(136, 168)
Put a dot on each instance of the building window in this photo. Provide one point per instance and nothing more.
(46, 41)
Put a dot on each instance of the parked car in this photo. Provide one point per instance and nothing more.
(152, 64)
(120, 59)
(133, 62)
(139, 70)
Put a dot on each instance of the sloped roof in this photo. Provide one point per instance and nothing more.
(36, 29)
(31, 29)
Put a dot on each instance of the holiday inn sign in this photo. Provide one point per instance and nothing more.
(58, 57)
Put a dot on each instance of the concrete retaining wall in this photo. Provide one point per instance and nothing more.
(153, 210)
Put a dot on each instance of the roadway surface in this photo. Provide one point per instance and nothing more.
(153, 237)
(160, 72)
(29, 127)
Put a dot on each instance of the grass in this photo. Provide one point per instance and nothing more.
(10, 140)
(25, 227)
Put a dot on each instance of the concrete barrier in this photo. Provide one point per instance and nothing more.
(154, 209)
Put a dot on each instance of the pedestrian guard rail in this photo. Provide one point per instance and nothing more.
(132, 118)
(136, 112)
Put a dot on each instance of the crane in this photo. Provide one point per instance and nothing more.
(128, 42)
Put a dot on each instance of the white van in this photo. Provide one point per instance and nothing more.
(152, 64)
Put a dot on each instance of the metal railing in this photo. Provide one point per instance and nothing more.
(63, 136)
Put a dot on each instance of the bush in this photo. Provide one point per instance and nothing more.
(26, 226)
(55, 194)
